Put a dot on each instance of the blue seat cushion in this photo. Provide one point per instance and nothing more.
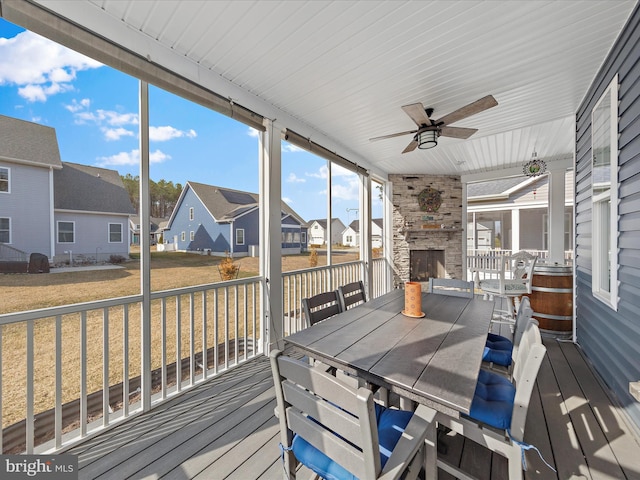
(498, 349)
(391, 424)
(493, 400)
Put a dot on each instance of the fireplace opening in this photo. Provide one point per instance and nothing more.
(426, 264)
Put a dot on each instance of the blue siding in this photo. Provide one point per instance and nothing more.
(611, 339)
(207, 232)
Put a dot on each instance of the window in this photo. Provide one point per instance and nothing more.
(66, 232)
(303, 237)
(4, 180)
(296, 237)
(192, 235)
(115, 233)
(191, 214)
(604, 196)
(239, 236)
(5, 230)
(183, 236)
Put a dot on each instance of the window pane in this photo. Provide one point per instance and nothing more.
(4, 179)
(65, 232)
(5, 236)
(115, 233)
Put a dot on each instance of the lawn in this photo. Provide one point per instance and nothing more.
(22, 292)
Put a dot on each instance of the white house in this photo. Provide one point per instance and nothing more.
(351, 235)
(318, 231)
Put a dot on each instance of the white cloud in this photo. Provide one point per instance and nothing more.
(131, 158)
(293, 178)
(76, 106)
(287, 200)
(322, 172)
(162, 134)
(108, 117)
(252, 132)
(39, 67)
(111, 134)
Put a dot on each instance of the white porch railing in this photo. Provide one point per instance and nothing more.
(484, 263)
(299, 284)
(80, 364)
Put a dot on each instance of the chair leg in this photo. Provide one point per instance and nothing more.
(515, 462)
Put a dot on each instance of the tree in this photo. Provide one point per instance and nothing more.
(164, 195)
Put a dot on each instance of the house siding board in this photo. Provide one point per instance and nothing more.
(91, 236)
(27, 205)
(611, 339)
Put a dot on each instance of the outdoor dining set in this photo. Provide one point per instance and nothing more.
(371, 388)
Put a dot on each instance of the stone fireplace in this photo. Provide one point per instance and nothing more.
(427, 227)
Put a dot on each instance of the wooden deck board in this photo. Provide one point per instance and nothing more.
(226, 429)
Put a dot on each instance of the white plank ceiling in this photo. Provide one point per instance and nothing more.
(339, 71)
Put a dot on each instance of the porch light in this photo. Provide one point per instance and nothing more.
(427, 139)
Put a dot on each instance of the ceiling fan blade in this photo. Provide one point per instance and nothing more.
(417, 113)
(411, 147)
(468, 110)
(457, 132)
(399, 134)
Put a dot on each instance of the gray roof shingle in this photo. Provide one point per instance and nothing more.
(27, 142)
(90, 189)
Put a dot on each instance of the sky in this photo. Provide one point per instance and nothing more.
(94, 110)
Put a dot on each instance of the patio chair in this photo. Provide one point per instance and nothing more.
(320, 307)
(337, 431)
(451, 286)
(499, 409)
(514, 280)
(351, 295)
(499, 350)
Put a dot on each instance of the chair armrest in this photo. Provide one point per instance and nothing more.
(411, 441)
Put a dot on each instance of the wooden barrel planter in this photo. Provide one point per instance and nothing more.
(552, 299)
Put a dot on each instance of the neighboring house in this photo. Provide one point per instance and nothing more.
(351, 235)
(318, 231)
(92, 210)
(154, 229)
(29, 156)
(225, 221)
(512, 213)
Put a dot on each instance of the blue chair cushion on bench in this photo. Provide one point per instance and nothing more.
(391, 424)
(498, 350)
(493, 400)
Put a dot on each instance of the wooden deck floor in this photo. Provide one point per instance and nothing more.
(226, 429)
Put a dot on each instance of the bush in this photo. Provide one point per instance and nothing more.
(228, 270)
(376, 252)
(313, 258)
(116, 259)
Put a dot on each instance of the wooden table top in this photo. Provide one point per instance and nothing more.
(432, 360)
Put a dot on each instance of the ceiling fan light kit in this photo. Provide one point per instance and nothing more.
(427, 139)
(426, 136)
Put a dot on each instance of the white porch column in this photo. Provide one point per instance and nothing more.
(270, 235)
(365, 232)
(145, 248)
(556, 215)
(465, 227)
(515, 231)
(329, 231)
(387, 233)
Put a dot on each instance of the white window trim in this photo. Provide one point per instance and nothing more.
(303, 237)
(238, 230)
(192, 235)
(58, 232)
(191, 213)
(8, 180)
(109, 232)
(9, 242)
(183, 237)
(610, 297)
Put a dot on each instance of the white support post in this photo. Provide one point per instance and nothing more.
(145, 249)
(387, 206)
(464, 224)
(271, 236)
(329, 231)
(365, 232)
(515, 231)
(556, 215)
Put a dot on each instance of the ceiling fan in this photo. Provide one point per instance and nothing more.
(426, 136)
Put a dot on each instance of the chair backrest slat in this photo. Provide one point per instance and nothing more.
(451, 286)
(321, 306)
(525, 312)
(351, 294)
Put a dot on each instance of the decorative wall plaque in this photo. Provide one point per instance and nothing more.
(429, 200)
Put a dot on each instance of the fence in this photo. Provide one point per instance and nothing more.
(80, 365)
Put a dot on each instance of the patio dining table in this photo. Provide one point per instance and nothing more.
(433, 360)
